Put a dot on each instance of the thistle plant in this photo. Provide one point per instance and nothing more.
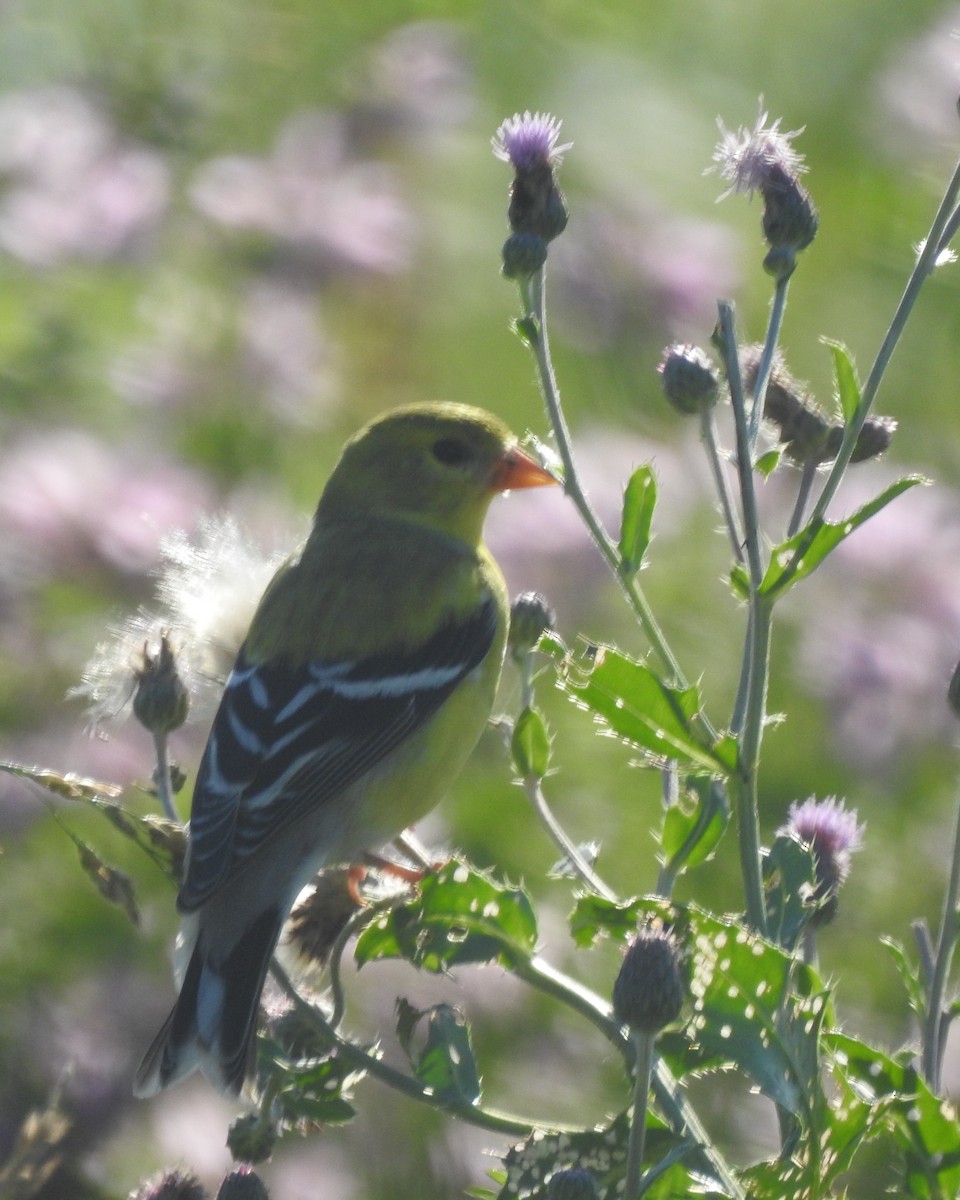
(698, 992)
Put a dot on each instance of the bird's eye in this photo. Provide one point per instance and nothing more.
(451, 453)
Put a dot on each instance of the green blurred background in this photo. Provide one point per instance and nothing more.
(231, 232)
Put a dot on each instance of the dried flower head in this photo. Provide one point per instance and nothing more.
(752, 159)
(762, 160)
(208, 586)
(529, 141)
(320, 914)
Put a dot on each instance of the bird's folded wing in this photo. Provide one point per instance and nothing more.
(286, 740)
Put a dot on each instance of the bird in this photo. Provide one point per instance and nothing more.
(364, 682)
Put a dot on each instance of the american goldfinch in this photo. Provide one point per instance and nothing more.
(364, 682)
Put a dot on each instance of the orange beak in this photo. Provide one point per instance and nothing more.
(515, 469)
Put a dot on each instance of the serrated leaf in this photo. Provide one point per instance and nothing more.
(594, 917)
(113, 884)
(317, 1092)
(800, 555)
(789, 878)
(457, 916)
(639, 502)
(845, 373)
(758, 1009)
(447, 1064)
(927, 1134)
(634, 703)
(69, 786)
(530, 745)
(909, 974)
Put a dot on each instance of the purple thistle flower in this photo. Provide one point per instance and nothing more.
(832, 833)
(752, 159)
(529, 141)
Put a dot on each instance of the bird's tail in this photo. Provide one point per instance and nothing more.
(213, 1022)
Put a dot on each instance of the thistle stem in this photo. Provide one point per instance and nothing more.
(642, 1076)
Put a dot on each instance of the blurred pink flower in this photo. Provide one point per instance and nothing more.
(287, 349)
(311, 193)
(68, 495)
(75, 189)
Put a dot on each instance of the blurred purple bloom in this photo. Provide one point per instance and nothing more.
(529, 141)
(616, 271)
(882, 624)
(419, 77)
(312, 194)
(75, 188)
(750, 157)
(918, 90)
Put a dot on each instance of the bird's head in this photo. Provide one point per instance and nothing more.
(439, 464)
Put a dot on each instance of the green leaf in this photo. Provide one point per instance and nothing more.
(740, 581)
(848, 386)
(758, 1009)
(639, 501)
(315, 1090)
(925, 1129)
(804, 552)
(634, 703)
(691, 834)
(789, 877)
(530, 745)
(594, 917)
(457, 916)
(446, 1063)
(767, 463)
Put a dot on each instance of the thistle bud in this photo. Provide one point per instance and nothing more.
(251, 1138)
(529, 144)
(172, 1184)
(523, 255)
(648, 992)
(530, 617)
(874, 438)
(807, 436)
(790, 219)
(161, 701)
(572, 1183)
(689, 379)
(833, 835)
(242, 1184)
